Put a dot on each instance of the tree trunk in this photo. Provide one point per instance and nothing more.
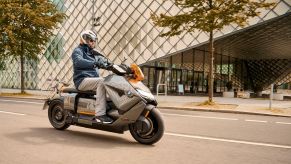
(22, 69)
(22, 59)
(210, 74)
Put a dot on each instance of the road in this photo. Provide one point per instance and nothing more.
(191, 137)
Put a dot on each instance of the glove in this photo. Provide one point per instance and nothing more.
(95, 65)
(109, 66)
(103, 64)
(126, 68)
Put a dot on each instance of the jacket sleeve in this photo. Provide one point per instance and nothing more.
(101, 61)
(80, 62)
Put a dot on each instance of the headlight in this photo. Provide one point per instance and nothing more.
(146, 95)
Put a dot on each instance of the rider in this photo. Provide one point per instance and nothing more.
(86, 62)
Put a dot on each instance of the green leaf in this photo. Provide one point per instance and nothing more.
(26, 26)
(208, 15)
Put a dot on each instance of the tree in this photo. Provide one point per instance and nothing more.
(208, 16)
(26, 26)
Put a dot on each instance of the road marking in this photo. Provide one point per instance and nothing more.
(27, 102)
(256, 121)
(21, 114)
(181, 115)
(286, 123)
(229, 140)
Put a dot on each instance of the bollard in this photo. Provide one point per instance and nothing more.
(271, 96)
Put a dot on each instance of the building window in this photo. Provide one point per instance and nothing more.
(2, 65)
(55, 50)
(60, 5)
(224, 69)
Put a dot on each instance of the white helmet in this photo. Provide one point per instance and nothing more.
(87, 36)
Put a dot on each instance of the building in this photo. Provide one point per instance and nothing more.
(250, 58)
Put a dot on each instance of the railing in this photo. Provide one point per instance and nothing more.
(165, 89)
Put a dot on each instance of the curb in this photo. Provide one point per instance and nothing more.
(177, 108)
(221, 111)
(27, 98)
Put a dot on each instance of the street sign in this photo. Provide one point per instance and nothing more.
(181, 88)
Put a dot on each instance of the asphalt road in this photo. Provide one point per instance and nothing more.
(191, 137)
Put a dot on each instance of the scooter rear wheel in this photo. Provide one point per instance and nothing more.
(57, 115)
(154, 133)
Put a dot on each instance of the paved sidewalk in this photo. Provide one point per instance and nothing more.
(228, 105)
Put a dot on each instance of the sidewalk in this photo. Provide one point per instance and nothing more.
(227, 105)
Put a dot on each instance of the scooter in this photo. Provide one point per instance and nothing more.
(129, 103)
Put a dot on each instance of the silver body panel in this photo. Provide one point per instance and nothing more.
(119, 90)
(123, 95)
(69, 101)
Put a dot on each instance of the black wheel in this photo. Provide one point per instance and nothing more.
(57, 117)
(154, 128)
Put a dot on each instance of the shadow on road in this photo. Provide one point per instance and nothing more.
(46, 136)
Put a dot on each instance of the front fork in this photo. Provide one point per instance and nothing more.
(147, 110)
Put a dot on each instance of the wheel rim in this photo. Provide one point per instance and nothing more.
(151, 128)
(58, 115)
(149, 134)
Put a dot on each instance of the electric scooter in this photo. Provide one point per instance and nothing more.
(130, 104)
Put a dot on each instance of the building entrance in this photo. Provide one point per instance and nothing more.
(193, 81)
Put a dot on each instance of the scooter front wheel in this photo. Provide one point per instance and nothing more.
(153, 132)
(56, 115)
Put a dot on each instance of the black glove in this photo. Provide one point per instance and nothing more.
(103, 64)
(126, 68)
(107, 66)
(95, 65)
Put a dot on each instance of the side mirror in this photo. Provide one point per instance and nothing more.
(96, 21)
(124, 59)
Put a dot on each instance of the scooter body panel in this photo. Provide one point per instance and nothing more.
(127, 106)
(123, 95)
(131, 106)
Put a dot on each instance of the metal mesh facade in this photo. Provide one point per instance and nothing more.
(126, 31)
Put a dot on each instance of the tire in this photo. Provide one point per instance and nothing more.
(57, 116)
(156, 132)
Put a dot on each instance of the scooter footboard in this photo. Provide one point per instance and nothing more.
(118, 126)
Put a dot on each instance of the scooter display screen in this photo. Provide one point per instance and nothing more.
(119, 69)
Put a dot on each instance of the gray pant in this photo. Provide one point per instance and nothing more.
(96, 83)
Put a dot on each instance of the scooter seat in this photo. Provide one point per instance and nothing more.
(74, 90)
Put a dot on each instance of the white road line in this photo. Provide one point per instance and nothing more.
(256, 121)
(287, 123)
(27, 102)
(181, 115)
(20, 114)
(229, 140)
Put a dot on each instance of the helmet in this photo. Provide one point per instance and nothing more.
(87, 36)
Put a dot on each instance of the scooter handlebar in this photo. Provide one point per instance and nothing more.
(121, 69)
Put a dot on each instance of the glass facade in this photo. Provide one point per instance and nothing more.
(126, 31)
(190, 68)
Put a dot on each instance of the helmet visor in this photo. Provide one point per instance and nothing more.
(89, 38)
